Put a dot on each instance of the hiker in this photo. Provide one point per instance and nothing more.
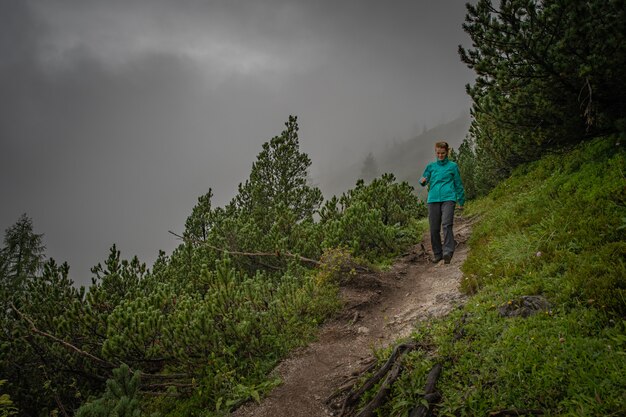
(445, 189)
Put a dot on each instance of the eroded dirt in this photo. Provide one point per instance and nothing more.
(378, 309)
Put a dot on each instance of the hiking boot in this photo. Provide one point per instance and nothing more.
(447, 258)
(436, 259)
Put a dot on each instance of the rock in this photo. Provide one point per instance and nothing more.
(524, 306)
(363, 330)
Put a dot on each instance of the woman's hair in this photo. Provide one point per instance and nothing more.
(442, 145)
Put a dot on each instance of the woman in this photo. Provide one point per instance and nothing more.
(444, 191)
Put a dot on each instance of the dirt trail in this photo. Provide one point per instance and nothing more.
(378, 309)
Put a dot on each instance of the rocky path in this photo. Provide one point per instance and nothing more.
(378, 309)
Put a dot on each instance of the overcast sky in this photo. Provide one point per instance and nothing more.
(115, 115)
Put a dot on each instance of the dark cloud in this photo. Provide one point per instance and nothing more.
(116, 115)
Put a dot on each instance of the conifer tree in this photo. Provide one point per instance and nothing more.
(279, 180)
(198, 224)
(273, 210)
(116, 280)
(22, 254)
(369, 170)
(549, 74)
(40, 373)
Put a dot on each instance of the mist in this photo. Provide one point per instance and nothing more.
(115, 115)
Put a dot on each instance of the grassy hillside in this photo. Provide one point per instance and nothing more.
(555, 229)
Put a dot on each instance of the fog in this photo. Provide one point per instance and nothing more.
(116, 115)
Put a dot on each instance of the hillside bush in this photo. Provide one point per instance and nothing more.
(373, 220)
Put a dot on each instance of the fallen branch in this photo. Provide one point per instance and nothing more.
(430, 395)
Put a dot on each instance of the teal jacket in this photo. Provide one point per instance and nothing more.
(444, 181)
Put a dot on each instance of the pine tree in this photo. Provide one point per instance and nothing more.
(198, 224)
(38, 295)
(22, 255)
(279, 181)
(116, 280)
(273, 210)
(369, 170)
(549, 74)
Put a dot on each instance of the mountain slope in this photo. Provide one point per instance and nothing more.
(406, 160)
(544, 331)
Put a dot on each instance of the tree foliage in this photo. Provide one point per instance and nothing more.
(7, 409)
(549, 74)
(200, 222)
(121, 398)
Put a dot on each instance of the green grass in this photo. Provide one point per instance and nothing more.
(556, 228)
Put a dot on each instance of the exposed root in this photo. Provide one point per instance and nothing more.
(390, 371)
(354, 396)
(430, 395)
(349, 383)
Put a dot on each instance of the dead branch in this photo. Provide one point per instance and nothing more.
(81, 352)
(430, 395)
(276, 254)
(168, 385)
(431, 379)
(515, 412)
(65, 344)
(163, 376)
(347, 385)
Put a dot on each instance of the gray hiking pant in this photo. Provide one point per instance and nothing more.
(441, 214)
